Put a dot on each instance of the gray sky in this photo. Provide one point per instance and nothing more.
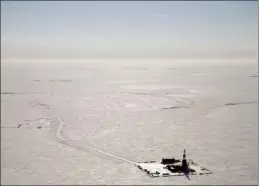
(129, 29)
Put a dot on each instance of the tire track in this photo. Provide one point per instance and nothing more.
(88, 147)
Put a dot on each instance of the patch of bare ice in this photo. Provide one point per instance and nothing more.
(148, 87)
(195, 91)
(132, 81)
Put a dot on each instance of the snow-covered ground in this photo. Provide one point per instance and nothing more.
(139, 111)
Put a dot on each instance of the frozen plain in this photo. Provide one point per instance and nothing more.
(138, 110)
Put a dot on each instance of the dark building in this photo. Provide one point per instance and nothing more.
(166, 161)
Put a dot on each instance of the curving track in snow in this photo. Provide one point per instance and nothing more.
(88, 147)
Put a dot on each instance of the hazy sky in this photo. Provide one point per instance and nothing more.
(129, 29)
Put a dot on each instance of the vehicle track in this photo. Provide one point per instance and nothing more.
(88, 147)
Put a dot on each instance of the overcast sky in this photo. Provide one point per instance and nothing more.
(129, 29)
